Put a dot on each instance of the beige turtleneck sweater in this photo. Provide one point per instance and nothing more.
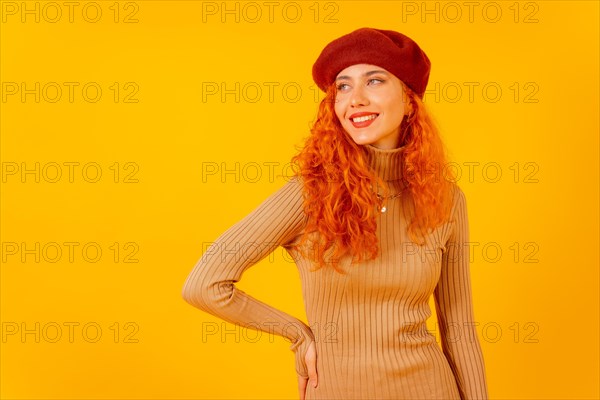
(369, 326)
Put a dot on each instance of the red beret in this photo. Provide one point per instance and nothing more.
(391, 50)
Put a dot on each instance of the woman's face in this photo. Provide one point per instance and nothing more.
(370, 104)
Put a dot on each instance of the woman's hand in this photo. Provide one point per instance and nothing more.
(311, 365)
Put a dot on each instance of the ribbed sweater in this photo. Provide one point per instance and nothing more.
(368, 325)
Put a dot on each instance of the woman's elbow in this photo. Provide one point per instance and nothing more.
(186, 293)
(193, 293)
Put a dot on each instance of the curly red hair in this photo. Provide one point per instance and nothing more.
(339, 198)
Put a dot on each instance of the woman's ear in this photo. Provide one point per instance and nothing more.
(407, 99)
(408, 110)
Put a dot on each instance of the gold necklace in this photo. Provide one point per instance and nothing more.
(385, 199)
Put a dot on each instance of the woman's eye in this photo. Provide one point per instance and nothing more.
(376, 80)
(342, 86)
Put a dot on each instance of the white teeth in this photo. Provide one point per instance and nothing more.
(365, 118)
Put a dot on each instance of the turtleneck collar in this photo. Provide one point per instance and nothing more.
(386, 163)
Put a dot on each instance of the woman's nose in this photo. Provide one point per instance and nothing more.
(358, 97)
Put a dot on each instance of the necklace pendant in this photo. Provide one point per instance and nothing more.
(383, 209)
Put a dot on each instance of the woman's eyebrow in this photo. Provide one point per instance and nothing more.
(368, 73)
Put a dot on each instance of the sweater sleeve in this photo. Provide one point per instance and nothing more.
(210, 286)
(454, 308)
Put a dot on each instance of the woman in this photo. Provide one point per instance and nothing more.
(374, 227)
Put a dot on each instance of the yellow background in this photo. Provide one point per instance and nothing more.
(538, 320)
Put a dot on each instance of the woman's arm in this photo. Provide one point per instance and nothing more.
(454, 308)
(211, 284)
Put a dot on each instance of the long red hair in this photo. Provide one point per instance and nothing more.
(339, 196)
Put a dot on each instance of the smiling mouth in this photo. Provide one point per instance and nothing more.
(364, 118)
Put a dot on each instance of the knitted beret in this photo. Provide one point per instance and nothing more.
(393, 51)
